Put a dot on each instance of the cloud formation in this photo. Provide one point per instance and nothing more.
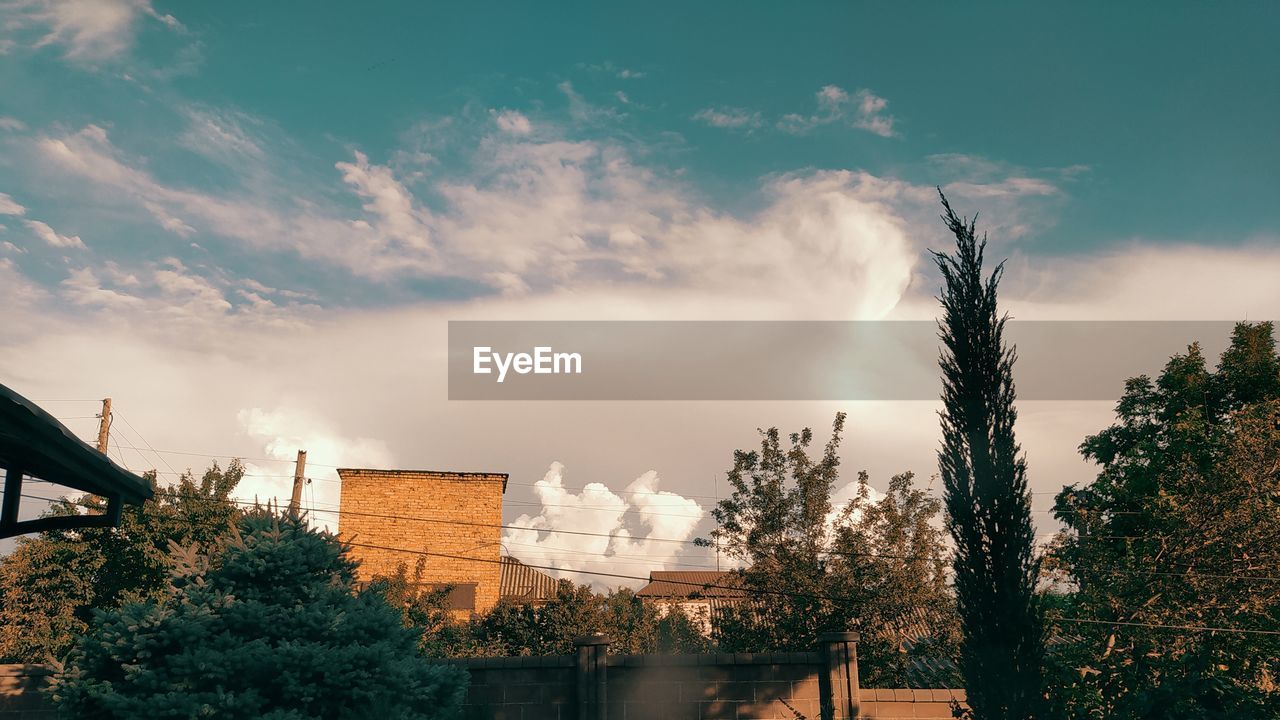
(88, 31)
(634, 530)
(52, 237)
(863, 110)
(729, 117)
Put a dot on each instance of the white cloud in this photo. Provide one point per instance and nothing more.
(583, 111)
(512, 121)
(279, 434)
(11, 124)
(9, 206)
(532, 215)
(87, 30)
(221, 135)
(628, 529)
(729, 117)
(51, 237)
(389, 200)
(864, 110)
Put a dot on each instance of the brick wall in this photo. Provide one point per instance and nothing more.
(20, 693)
(429, 495)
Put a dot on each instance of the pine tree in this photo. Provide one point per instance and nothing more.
(984, 477)
(267, 627)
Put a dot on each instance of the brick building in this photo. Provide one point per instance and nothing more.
(454, 516)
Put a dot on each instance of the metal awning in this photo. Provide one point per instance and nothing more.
(34, 444)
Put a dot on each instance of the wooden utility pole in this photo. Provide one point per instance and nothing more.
(104, 425)
(299, 478)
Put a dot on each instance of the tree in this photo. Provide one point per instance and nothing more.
(984, 478)
(1176, 530)
(807, 568)
(266, 625)
(51, 584)
(513, 629)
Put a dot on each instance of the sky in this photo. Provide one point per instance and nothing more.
(249, 224)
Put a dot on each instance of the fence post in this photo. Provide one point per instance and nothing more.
(593, 651)
(838, 682)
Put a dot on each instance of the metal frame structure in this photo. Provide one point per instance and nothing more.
(33, 444)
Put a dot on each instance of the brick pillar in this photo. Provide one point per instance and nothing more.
(838, 683)
(593, 653)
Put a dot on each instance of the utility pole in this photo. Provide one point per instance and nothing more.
(104, 425)
(299, 478)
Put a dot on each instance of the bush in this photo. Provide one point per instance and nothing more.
(266, 626)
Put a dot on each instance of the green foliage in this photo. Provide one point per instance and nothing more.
(51, 584)
(267, 625)
(1181, 520)
(984, 479)
(512, 629)
(879, 566)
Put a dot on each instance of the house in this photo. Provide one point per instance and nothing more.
(699, 594)
(34, 445)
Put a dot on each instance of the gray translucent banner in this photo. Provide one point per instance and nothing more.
(868, 360)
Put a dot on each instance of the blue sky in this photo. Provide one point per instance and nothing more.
(191, 193)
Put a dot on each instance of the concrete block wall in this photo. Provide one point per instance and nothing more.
(21, 696)
(520, 688)
(715, 686)
(396, 509)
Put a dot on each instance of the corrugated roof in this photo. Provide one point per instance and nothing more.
(521, 583)
(691, 584)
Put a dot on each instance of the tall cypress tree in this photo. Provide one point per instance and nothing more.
(984, 477)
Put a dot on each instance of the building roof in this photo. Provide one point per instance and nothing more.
(34, 444)
(434, 474)
(691, 584)
(521, 583)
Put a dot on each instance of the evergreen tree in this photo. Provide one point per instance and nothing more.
(987, 502)
(268, 626)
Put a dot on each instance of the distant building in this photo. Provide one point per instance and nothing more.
(523, 584)
(450, 520)
(699, 594)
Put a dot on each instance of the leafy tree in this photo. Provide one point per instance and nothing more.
(510, 629)
(985, 483)
(1176, 530)
(51, 584)
(889, 558)
(875, 565)
(267, 625)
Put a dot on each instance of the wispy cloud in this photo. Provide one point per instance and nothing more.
(863, 110)
(729, 117)
(9, 206)
(512, 121)
(88, 31)
(52, 237)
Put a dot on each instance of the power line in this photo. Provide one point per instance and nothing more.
(145, 442)
(835, 553)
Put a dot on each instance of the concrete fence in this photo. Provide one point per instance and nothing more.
(593, 685)
(20, 693)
